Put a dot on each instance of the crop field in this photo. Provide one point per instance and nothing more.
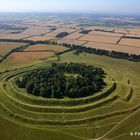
(72, 41)
(41, 47)
(99, 38)
(113, 47)
(36, 31)
(105, 34)
(6, 47)
(130, 42)
(74, 36)
(13, 36)
(134, 31)
(2, 31)
(40, 38)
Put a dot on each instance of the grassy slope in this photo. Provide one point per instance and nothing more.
(119, 68)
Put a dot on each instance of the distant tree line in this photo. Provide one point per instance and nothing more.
(113, 54)
(63, 80)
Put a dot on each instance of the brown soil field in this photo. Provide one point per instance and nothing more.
(74, 35)
(134, 31)
(2, 31)
(97, 38)
(46, 47)
(121, 30)
(111, 47)
(36, 31)
(18, 57)
(130, 42)
(105, 33)
(40, 38)
(13, 36)
(71, 41)
(6, 47)
(59, 30)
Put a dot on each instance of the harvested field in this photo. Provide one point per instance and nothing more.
(6, 47)
(97, 38)
(3, 31)
(41, 47)
(40, 38)
(130, 42)
(36, 31)
(134, 31)
(71, 41)
(13, 36)
(121, 30)
(74, 35)
(111, 47)
(59, 30)
(19, 57)
(105, 34)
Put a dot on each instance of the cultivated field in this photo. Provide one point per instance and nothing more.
(36, 31)
(6, 47)
(71, 41)
(41, 47)
(130, 42)
(105, 34)
(114, 47)
(74, 36)
(13, 36)
(23, 59)
(99, 38)
(40, 38)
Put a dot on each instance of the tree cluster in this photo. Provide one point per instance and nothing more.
(85, 31)
(62, 34)
(63, 80)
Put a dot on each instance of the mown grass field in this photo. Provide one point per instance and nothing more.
(24, 117)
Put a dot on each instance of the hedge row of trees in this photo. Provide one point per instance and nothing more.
(114, 54)
(62, 34)
(63, 80)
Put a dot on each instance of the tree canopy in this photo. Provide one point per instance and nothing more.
(63, 80)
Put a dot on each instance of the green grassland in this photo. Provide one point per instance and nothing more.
(110, 114)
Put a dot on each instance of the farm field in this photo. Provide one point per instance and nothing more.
(36, 31)
(98, 38)
(23, 58)
(41, 47)
(13, 36)
(71, 41)
(130, 42)
(74, 35)
(6, 47)
(105, 34)
(114, 47)
(40, 38)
